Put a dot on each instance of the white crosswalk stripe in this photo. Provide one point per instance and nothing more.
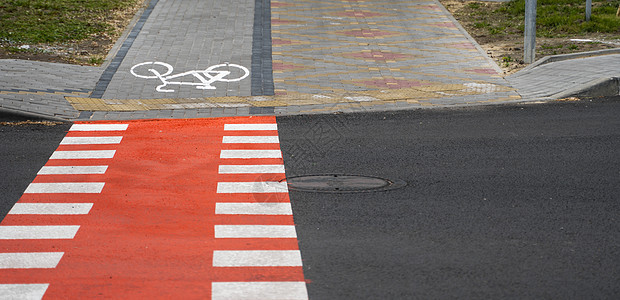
(50, 208)
(250, 139)
(253, 209)
(94, 140)
(85, 154)
(65, 187)
(98, 127)
(32, 291)
(252, 187)
(251, 169)
(247, 154)
(251, 126)
(256, 258)
(255, 231)
(72, 170)
(26, 232)
(287, 290)
(30, 260)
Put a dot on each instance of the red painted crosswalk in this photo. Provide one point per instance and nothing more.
(156, 209)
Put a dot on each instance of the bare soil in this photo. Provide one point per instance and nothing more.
(91, 51)
(506, 49)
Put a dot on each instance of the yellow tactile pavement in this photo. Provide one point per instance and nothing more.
(422, 94)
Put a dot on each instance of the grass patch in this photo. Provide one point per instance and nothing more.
(56, 21)
(66, 31)
(561, 27)
(556, 18)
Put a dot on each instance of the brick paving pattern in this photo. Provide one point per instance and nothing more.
(322, 56)
(358, 46)
(38, 87)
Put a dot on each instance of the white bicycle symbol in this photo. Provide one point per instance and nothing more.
(206, 77)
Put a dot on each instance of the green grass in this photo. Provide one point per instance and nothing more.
(565, 17)
(55, 21)
(555, 18)
(96, 60)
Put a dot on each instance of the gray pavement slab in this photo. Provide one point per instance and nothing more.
(555, 77)
(43, 76)
(39, 88)
(188, 35)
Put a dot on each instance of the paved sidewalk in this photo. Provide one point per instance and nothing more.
(302, 57)
(553, 78)
(38, 87)
(188, 35)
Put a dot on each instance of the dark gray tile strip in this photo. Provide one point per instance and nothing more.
(51, 91)
(109, 72)
(262, 110)
(262, 72)
(85, 115)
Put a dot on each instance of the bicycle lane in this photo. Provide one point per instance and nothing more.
(185, 208)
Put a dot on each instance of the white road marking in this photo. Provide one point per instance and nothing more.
(265, 139)
(86, 154)
(250, 126)
(285, 290)
(59, 170)
(253, 209)
(251, 169)
(255, 231)
(33, 291)
(202, 79)
(30, 260)
(250, 154)
(91, 140)
(98, 127)
(65, 187)
(38, 232)
(51, 209)
(257, 258)
(252, 187)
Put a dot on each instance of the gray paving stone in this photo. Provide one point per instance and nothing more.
(188, 35)
(555, 77)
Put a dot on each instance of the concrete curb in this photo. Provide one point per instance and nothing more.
(28, 114)
(561, 57)
(602, 87)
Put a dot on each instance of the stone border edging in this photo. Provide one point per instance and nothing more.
(562, 57)
(124, 35)
(113, 66)
(602, 87)
(28, 114)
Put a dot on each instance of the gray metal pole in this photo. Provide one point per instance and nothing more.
(588, 9)
(529, 45)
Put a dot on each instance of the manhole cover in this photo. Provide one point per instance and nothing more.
(335, 183)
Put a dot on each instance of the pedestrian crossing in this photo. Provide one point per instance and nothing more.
(156, 209)
(242, 147)
(57, 177)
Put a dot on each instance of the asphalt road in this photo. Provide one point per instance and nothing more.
(23, 151)
(502, 202)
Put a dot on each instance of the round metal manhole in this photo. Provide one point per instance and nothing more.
(337, 183)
